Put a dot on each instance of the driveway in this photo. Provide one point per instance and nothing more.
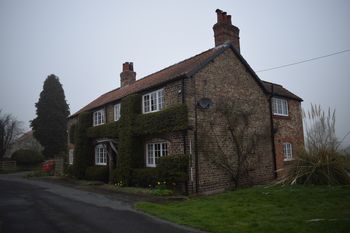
(37, 206)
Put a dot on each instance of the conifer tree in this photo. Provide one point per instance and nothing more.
(50, 125)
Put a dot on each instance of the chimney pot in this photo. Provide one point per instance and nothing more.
(125, 66)
(127, 76)
(224, 31)
(229, 19)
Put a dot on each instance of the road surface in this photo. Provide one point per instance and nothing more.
(37, 206)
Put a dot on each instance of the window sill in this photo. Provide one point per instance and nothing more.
(152, 111)
(98, 125)
(281, 117)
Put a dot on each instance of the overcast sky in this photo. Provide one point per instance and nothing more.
(85, 43)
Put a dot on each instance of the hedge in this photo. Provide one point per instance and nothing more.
(145, 177)
(109, 130)
(97, 173)
(168, 120)
(27, 157)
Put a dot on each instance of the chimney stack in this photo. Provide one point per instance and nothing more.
(224, 31)
(128, 76)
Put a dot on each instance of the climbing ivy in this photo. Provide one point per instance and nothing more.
(168, 120)
(109, 130)
(129, 145)
(83, 152)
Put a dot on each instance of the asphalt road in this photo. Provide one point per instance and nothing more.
(34, 206)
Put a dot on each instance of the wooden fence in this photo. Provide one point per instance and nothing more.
(8, 165)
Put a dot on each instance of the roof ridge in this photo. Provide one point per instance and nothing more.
(271, 83)
(199, 54)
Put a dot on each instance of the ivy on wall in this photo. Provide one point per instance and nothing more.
(83, 153)
(170, 119)
(129, 131)
(129, 145)
(108, 130)
(72, 134)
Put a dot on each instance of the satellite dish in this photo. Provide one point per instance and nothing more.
(205, 103)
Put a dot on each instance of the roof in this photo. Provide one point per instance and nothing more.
(185, 68)
(25, 136)
(279, 90)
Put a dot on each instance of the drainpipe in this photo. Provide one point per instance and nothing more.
(195, 138)
(184, 133)
(273, 135)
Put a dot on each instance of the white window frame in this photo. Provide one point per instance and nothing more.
(280, 107)
(70, 156)
(153, 101)
(100, 154)
(117, 108)
(98, 117)
(287, 151)
(154, 151)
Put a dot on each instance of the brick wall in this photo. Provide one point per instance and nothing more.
(289, 129)
(226, 78)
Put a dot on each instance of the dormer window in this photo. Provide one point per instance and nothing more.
(116, 112)
(279, 107)
(99, 117)
(153, 101)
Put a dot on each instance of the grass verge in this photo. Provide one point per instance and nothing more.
(262, 209)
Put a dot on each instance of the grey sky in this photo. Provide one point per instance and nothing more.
(85, 43)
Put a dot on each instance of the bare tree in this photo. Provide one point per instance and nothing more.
(9, 130)
(230, 141)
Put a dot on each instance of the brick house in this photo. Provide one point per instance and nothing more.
(220, 72)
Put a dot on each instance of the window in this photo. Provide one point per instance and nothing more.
(154, 151)
(99, 117)
(116, 112)
(70, 156)
(280, 107)
(153, 102)
(287, 151)
(100, 155)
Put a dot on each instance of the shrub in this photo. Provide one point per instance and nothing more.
(145, 177)
(322, 162)
(324, 167)
(27, 157)
(68, 170)
(98, 173)
(173, 169)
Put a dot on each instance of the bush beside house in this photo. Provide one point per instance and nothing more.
(97, 173)
(26, 157)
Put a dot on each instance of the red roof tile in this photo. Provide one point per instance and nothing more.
(280, 91)
(185, 67)
(170, 73)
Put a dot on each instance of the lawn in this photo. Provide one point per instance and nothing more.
(263, 209)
